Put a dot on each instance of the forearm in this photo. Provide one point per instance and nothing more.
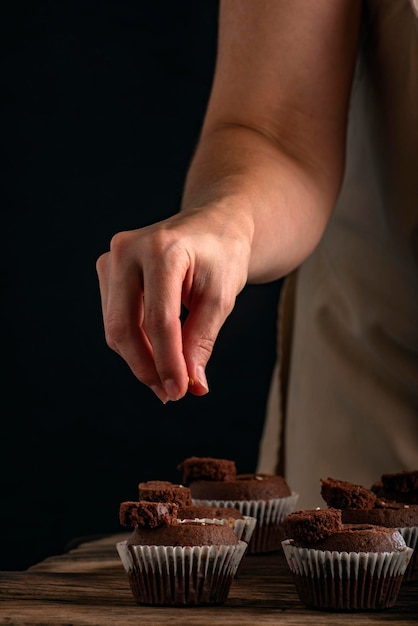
(279, 200)
(271, 151)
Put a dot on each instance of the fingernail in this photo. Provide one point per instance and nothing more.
(160, 393)
(171, 389)
(201, 377)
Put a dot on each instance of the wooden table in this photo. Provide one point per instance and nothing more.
(88, 586)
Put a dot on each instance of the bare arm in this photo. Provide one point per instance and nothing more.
(259, 191)
(273, 142)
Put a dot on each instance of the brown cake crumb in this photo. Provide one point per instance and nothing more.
(342, 494)
(207, 468)
(306, 527)
(147, 514)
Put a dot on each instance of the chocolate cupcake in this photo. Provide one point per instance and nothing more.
(363, 506)
(344, 567)
(165, 491)
(170, 562)
(265, 497)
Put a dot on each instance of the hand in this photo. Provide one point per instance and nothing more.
(198, 259)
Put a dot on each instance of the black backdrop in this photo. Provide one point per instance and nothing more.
(101, 103)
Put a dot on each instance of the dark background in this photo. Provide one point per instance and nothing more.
(101, 104)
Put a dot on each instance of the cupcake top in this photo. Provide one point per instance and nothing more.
(362, 506)
(209, 512)
(384, 513)
(157, 524)
(217, 479)
(243, 487)
(362, 538)
(400, 486)
(322, 529)
(164, 491)
(184, 534)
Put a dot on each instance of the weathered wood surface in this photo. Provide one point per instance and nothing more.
(88, 586)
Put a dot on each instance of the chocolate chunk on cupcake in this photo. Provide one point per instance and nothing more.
(164, 491)
(342, 494)
(399, 486)
(148, 514)
(306, 527)
(207, 468)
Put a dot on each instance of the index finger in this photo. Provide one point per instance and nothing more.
(163, 286)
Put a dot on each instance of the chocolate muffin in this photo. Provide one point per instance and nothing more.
(201, 557)
(165, 491)
(265, 497)
(362, 506)
(344, 567)
(391, 514)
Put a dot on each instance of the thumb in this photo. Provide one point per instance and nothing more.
(198, 384)
(200, 331)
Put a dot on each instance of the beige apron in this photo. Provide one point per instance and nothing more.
(345, 401)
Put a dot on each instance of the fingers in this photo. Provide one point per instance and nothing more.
(122, 305)
(163, 285)
(141, 303)
(207, 315)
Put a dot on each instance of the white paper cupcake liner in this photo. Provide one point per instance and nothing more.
(410, 536)
(181, 576)
(267, 535)
(346, 580)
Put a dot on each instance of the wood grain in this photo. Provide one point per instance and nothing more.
(88, 586)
